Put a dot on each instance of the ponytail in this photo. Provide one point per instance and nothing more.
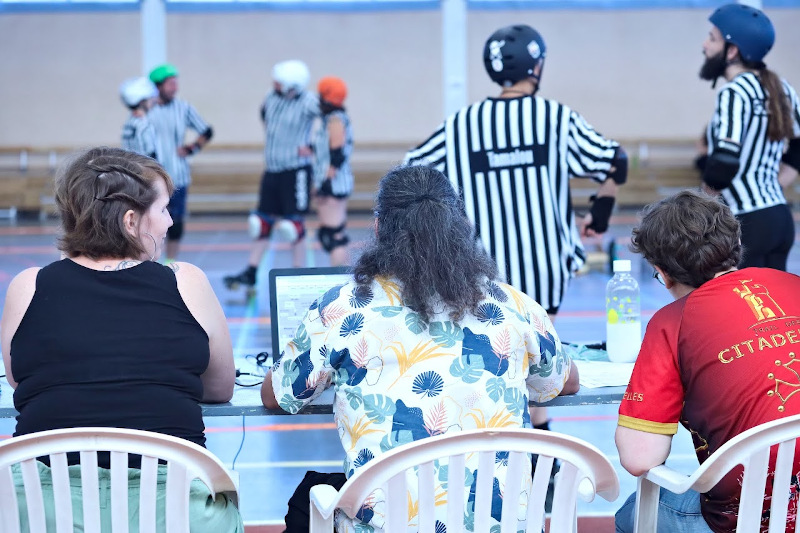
(779, 126)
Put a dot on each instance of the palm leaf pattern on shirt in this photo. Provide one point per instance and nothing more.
(423, 351)
(358, 430)
(332, 314)
(519, 301)
(428, 383)
(361, 296)
(491, 313)
(352, 325)
(501, 418)
(496, 292)
(360, 355)
(364, 456)
(391, 289)
(436, 420)
(501, 345)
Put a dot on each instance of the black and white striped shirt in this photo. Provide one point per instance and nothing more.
(342, 182)
(288, 124)
(511, 160)
(171, 121)
(740, 124)
(139, 136)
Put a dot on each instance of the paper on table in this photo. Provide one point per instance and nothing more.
(595, 374)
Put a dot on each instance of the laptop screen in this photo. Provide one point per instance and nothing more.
(291, 293)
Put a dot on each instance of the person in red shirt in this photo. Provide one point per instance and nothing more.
(720, 359)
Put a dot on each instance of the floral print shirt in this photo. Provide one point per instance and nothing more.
(398, 378)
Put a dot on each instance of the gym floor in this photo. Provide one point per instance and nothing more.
(273, 453)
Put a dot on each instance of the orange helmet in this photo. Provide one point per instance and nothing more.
(332, 90)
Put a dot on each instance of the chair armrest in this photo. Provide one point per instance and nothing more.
(235, 477)
(324, 498)
(670, 479)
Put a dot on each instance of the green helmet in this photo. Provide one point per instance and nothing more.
(162, 72)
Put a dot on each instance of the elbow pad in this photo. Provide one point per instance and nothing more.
(337, 158)
(721, 167)
(620, 163)
(792, 155)
(208, 133)
(601, 213)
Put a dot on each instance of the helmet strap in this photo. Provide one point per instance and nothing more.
(535, 83)
(725, 56)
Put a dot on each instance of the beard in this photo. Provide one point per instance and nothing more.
(713, 67)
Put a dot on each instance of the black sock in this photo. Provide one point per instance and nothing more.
(251, 270)
(544, 426)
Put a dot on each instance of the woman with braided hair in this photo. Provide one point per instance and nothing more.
(108, 337)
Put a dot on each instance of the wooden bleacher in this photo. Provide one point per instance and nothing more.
(226, 178)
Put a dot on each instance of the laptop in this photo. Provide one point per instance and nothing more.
(291, 293)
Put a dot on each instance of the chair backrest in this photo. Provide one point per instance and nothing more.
(582, 464)
(751, 449)
(185, 461)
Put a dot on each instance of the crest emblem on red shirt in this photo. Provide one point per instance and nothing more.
(786, 388)
(758, 299)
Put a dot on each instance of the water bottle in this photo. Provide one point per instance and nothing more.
(623, 315)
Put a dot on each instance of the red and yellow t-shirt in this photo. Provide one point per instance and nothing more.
(720, 361)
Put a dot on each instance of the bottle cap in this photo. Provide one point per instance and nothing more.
(622, 265)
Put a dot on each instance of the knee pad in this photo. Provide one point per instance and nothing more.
(291, 229)
(175, 231)
(259, 225)
(328, 239)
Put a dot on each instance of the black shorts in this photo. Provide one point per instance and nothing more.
(326, 191)
(767, 237)
(285, 193)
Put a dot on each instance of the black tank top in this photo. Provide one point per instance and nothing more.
(109, 348)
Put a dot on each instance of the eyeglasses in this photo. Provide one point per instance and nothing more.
(657, 277)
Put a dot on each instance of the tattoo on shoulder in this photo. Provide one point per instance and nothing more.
(174, 266)
(128, 263)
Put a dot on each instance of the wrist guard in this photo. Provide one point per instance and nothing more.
(601, 213)
(792, 155)
(620, 163)
(337, 158)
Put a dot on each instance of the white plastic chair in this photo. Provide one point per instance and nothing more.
(581, 464)
(751, 449)
(185, 460)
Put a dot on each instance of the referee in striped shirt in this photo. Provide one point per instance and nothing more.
(289, 112)
(171, 117)
(757, 112)
(511, 157)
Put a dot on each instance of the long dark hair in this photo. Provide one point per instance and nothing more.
(425, 241)
(779, 125)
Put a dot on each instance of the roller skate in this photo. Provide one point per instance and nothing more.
(246, 279)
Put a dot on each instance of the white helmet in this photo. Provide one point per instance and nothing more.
(134, 90)
(292, 75)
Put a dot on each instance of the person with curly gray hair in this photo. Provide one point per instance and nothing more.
(423, 341)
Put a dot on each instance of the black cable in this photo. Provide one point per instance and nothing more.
(241, 445)
(240, 373)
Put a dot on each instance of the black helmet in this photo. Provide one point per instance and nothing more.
(511, 54)
(746, 27)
